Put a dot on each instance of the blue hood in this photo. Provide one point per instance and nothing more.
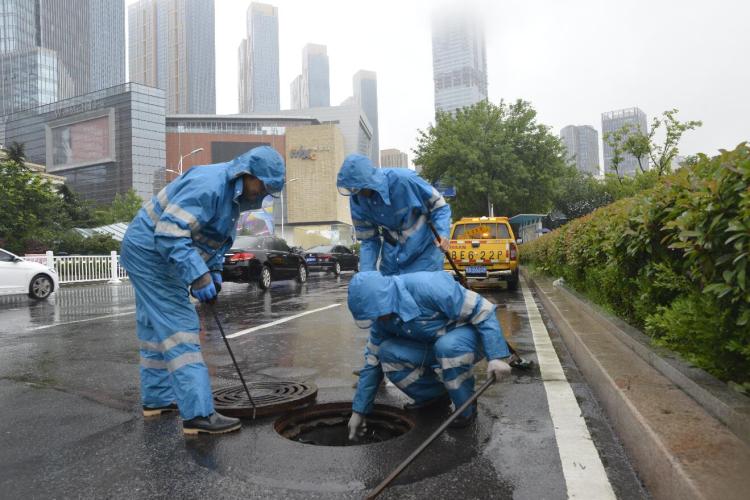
(262, 162)
(372, 295)
(357, 172)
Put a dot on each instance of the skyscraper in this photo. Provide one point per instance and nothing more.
(459, 62)
(613, 121)
(582, 144)
(172, 47)
(393, 158)
(259, 60)
(316, 90)
(52, 50)
(366, 94)
(295, 93)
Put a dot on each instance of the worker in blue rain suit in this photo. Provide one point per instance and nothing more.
(390, 208)
(426, 334)
(178, 240)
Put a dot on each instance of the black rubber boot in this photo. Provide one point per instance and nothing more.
(149, 411)
(462, 421)
(216, 423)
(442, 400)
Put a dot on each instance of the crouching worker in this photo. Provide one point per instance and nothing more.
(178, 240)
(426, 334)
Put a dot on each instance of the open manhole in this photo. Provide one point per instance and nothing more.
(326, 425)
(271, 398)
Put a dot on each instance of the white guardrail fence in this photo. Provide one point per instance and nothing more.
(83, 268)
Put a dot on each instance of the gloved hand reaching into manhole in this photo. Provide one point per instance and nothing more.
(357, 426)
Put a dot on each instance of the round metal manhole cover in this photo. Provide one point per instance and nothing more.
(327, 425)
(270, 397)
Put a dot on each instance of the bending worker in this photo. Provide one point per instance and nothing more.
(426, 334)
(178, 240)
(390, 208)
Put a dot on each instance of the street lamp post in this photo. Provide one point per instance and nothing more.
(179, 165)
(282, 204)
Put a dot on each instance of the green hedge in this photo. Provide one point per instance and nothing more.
(671, 261)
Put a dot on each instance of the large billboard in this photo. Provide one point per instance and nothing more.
(80, 143)
(227, 151)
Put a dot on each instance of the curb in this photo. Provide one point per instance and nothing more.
(679, 448)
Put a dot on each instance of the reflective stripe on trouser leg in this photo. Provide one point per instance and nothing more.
(156, 384)
(409, 365)
(164, 302)
(457, 351)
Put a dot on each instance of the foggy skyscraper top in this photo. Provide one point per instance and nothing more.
(316, 91)
(259, 61)
(459, 61)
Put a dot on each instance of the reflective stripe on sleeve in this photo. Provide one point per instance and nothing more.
(470, 302)
(436, 200)
(171, 229)
(184, 359)
(182, 214)
(485, 309)
(202, 238)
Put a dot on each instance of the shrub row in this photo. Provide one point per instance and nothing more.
(671, 260)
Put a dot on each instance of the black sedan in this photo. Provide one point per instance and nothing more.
(331, 258)
(262, 259)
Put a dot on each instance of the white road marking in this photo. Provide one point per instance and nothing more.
(583, 470)
(79, 321)
(278, 322)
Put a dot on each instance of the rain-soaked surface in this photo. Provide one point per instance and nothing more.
(72, 427)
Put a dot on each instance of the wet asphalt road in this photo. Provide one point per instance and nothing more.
(72, 427)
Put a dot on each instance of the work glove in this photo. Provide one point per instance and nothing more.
(357, 426)
(499, 368)
(216, 277)
(203, 288)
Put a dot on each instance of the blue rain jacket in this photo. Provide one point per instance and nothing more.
(401, 205)
(191, 223)
(426, 305)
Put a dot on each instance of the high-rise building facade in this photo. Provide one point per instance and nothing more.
(459, 61)
(366, 94)
(316, 90)
(582, 144)
(259, 61)
(613, 121)
(172, 47)
(79, 45)
(295, 93)
(394, 158)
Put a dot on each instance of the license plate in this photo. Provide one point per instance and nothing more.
(311, 260)
(476, 271)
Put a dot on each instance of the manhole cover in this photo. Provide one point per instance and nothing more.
(270, 397)
(326, 425)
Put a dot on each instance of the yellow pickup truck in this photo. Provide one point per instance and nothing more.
(484, 249)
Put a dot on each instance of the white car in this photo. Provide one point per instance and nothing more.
(22, 276)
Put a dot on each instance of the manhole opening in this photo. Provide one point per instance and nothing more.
(326, 425)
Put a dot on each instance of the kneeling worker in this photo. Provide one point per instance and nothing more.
(426, 333)
(178, 240)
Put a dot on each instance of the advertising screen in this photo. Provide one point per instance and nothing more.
(81, 143)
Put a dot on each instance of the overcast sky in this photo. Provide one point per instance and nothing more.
(572, 59)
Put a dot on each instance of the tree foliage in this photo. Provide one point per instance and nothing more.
(493, 153)
(123, 209)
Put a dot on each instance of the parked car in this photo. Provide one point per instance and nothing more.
(22, 276)
(485, 249)
(261, 260)
(331, 258)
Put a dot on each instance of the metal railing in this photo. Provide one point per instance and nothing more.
(83, 268)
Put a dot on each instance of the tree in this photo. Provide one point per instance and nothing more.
(579, 194)
(78, 211)
(645, 147)
(31, 207)
(15, 152)
(493, 154)
(123, 209)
